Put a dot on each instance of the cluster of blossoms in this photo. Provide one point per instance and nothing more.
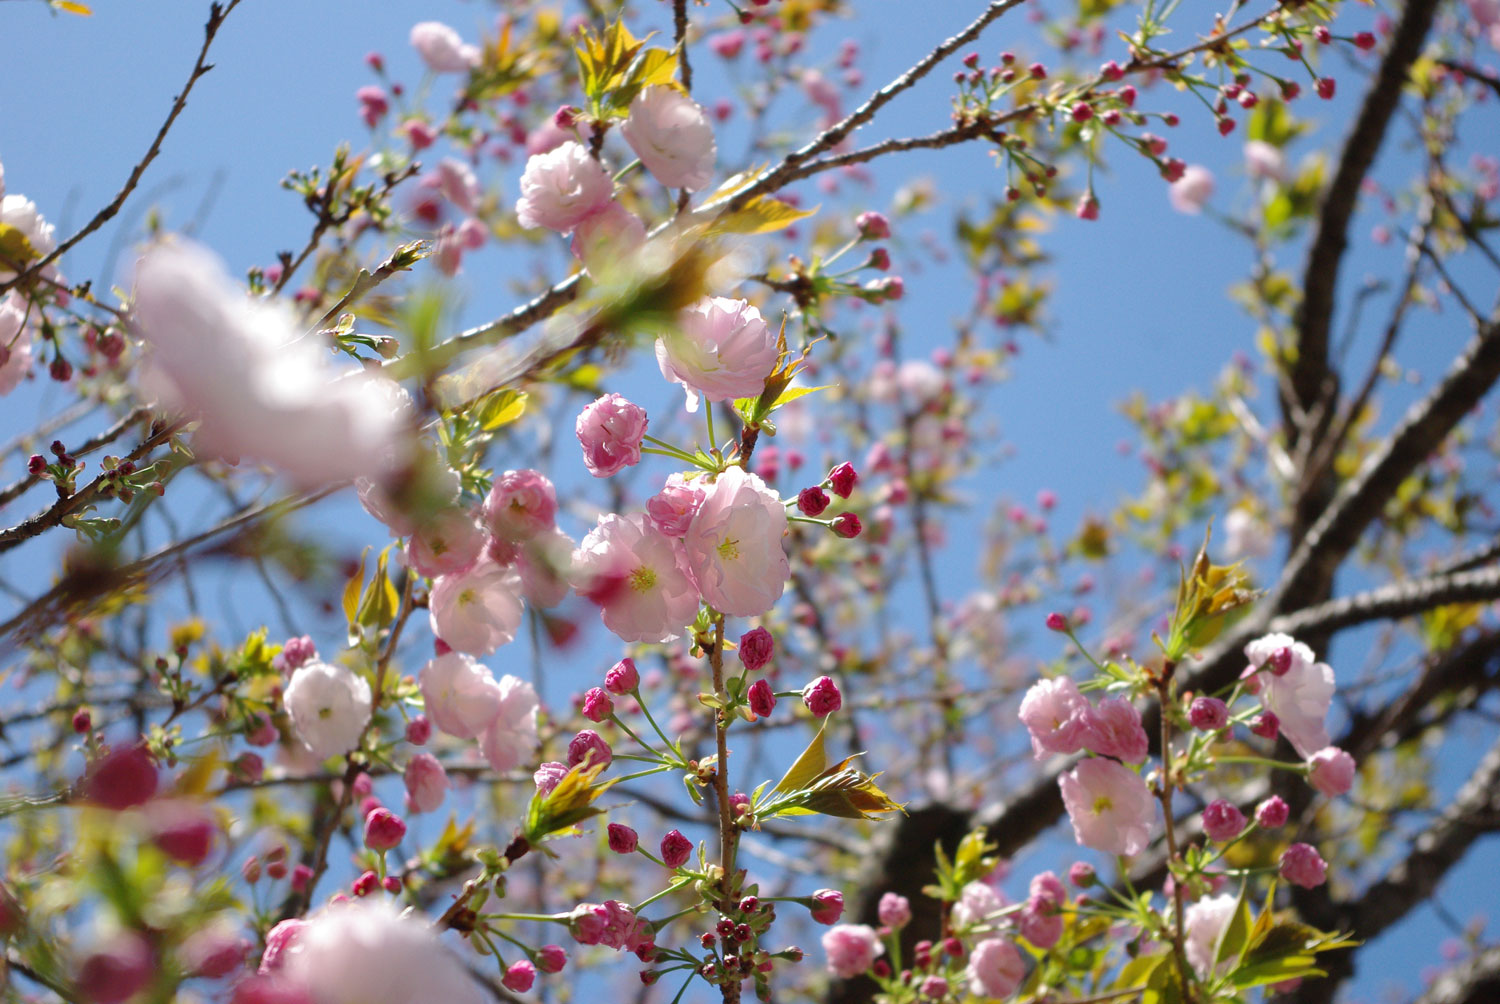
(1114, 800)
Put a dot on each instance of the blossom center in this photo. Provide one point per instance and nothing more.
(1102, 804)
(729, 549)
(642, 579)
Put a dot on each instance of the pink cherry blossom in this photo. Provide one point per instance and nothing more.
(995, 968)
(461, 695)
(449, 541)
(610, 923)
(894, 910)
(426, 782)
(671, 134)
(442, 49)
(1205, 920)
(1056, 715)
(851, 949)
(476, 610)
(734, 545)
(1109, 806)
(639, 578)
(520, 505)
(721, 349)
(367, 951)
(610, 431)
(1114, 729)
(1040, 922)
(1331, 771)
(672, 509)
(261, 390)
(458, 184)
(1191, 192)
(561, 188)
(977, 902)
(545, 563)
(511, 738)
(1301, 864)
(607, 238)
(20, 212)
(1300, 697)
(15, 343)
(279, 941)
(329, 706)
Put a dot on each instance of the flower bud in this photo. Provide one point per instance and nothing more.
(596, 705)
(675, 849)
(384, 830)
(622, 839)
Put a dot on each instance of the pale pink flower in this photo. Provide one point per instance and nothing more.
(894, 910)
(520, 505)
(449, 541)
(426, 782)
(15, 343)
(1191, 192)
(1056, 715)
(546, 566)
(610, 923)
(366, 952)
(461, 696)
(734, 545)
(512, 736)
(639, 578)
(442, 49)
(1331, 771)
(607, 238)
(458, 183)
(977, 902)
(671, 134)
(262, 389)
(722, 349)
(279, 941)
(476, 610)
(1114, 729)
(672, 509)
(995, 968)
(1205, 921)
(851, 949)
(329, 706)
(1109, 806)
(1040, 922)
(1300, 697)
(610, 431)
(561, 188)
(1262, 160)
(548, 775)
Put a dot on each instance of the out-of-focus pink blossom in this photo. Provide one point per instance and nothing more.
(520, 505)
(461, 696)
(1191, 192)
(1331, 771)
(1301, 864)
(851, 949)
(426, 782)
(511, 738)
(610, 923)
(995, 968)
(442, 49)
(476, 610)
(15, 344)
(1205, 920)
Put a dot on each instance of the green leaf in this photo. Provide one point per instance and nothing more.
(1234, 939)
(809, 765)
(380, 601)
(500, 408)
(352, 590)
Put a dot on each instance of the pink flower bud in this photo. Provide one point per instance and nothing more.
(1302, 865)
(301, 875)
(1082, 112)
(812, 501)
(548, 775)
(873, 226)
(1331, 771)
(1222, 821)
(1087, 207)
(596, 705)
(183, 830)
(675, 849)
(116, 972)
(367, 883)
(519, 976)
(622, 678)
(1057, 622)
(622, 839)
(1265, 725)
(894, 910)
(1208, 714)
(822, 697)
(756, 648)
(1326, 87)
(1111, 71)
(762, 699)
(827, 906)
(1272, 813)
(842, 480)
(589, 745)
(418, 730)
(121, 779)
(847, 525)
(1081, 874)
(384, 830)
(83, 722)
(551, 958)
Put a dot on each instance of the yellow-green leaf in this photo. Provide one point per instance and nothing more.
(352, 590)
(812, 762)
(761, 215)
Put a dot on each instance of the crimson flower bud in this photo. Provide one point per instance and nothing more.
(596, 705)
(762, 700)
(1272, 813)
(812, 501)
(675, 849)
(756, 648)
(384, 830)
(1208, 714)
(847, 525)
(827, 906)
(622, 839)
